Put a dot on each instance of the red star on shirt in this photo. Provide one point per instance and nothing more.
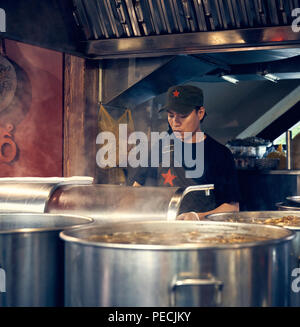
(176, 94)
(168, 177)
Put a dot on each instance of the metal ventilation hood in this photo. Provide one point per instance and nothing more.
(128, 83)
(145, 28)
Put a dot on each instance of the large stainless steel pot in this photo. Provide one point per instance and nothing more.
(246, 274)
(32, 258)
(260, 217)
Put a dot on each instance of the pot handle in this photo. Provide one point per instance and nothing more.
(180, 281)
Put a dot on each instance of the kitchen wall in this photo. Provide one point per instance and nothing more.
(34, 118)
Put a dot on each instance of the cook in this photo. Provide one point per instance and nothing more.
(185, 114)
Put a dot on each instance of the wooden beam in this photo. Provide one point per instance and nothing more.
(81, 89)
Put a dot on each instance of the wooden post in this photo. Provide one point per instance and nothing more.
(81, 84)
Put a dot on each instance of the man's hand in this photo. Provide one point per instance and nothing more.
(188, 216)
(192, 215)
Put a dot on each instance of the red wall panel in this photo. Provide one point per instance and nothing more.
(36, 113)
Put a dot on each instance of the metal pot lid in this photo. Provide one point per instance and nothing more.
(286, 219)
(294, 199)
(208, 234)
(36, 222)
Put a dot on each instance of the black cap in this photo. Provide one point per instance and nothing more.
(183, 98)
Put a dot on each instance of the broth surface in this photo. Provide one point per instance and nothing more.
(282, 221)
(174, 238)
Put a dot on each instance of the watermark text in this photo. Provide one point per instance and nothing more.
(2, 21)
(296, 281)
(296, 21)
(2, 281)
(185, 149)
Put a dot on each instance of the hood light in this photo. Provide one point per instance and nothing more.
(230, 79)
(271, 77)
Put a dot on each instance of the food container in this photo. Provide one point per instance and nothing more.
(32, 258)
(186, 264)
(287, 219)
(243, 151)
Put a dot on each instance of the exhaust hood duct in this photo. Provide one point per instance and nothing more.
(156, 75)
(178, 70)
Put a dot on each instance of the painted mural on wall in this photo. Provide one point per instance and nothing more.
(31, 111)
(15, 99)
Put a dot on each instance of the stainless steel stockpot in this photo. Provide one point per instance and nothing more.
(32, 258)
(261, 217)
(238, 274)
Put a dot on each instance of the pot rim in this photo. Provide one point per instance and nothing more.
(285, 206)
(84, 220)
(295, 199)
(284, 213)
(188, 246)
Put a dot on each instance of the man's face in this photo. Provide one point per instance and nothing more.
(186, 122)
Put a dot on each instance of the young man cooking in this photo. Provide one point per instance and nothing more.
(185, 114)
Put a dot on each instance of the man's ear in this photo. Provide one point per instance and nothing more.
(201, 113)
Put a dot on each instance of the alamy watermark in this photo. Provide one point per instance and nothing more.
(2, 21)
(2, 281)
(296, 21)
(296, 282)
(114, 153)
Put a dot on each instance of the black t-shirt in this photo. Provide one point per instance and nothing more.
(219, 169)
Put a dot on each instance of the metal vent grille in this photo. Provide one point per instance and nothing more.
(109, 19)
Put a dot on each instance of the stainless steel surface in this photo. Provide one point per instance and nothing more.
(31, 194)
(144, 18)
(288, 150)
(183, 280)
(206, 188)
(119, 203)
(193, 43)
(172, 27)
(103, 274)
(24, 197)
(254, 217)
(32, 256)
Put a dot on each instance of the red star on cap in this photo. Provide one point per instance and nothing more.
(176, 94)
(168, 177)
